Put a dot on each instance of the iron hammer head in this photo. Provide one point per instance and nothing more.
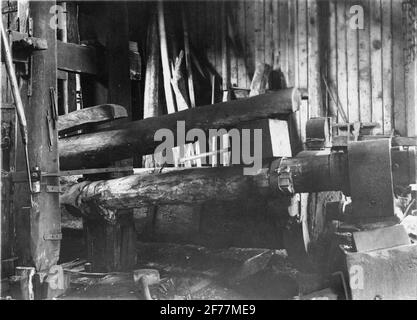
(151, 275)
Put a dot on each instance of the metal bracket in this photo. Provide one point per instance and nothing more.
(281, 177)
(318, 133)
(52, 236)
(371, 180)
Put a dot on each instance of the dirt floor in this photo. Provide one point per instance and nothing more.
(194, 272)
(190, 272)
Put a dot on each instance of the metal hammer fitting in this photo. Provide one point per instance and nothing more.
(146, 278)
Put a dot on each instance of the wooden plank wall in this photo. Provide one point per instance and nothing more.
(364, 68)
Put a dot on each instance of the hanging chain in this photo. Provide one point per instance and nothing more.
(409, 19)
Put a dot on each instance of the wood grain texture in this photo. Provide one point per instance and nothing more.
(352, 69)
(341, 56)
(97, 114)
(365, 99)
(400, 122)
(332, 62)
(376, 63)
(138, 136)
(387, 74)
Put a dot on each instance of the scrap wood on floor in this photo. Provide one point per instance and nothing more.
(194, 272)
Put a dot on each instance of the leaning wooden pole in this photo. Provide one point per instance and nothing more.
(88, 150)
(169, 97)
(45, 217)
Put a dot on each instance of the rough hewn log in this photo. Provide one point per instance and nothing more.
(200, 185)
(97, 114)
(194, 186)
(138, 136)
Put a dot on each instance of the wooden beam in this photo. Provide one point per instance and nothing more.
(105, 198)
(138, 136)
(22, 39)
(178, 83)
(83, 118)
(187, 56)
(260, 79)
(72, 37)
(77, 58)
(151, 105)
(165, 60)
(45, 218)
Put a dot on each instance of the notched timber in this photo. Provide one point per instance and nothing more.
(93, 115)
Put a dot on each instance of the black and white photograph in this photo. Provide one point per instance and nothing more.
(208, 155)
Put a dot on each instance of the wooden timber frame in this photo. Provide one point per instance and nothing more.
(110, 247)
(310, 48)
(39, 222)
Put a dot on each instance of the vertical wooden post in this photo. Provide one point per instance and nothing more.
(45, 214)
(117, 47)
(165, 60)
(314, 60)
(111, 247)
(64, 35)
(151, 98)
(225, 54)
(187, 57)
(73, 37)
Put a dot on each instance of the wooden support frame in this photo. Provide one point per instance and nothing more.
(41, 218)
(77, 58)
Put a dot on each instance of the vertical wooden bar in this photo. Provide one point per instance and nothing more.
(276, 81)
(268, 24)
(387, 66)
(45, 215)
(400, 121)
(250, 39)
(231, 25)
(303, 63)
(365, 98)
(259, 32)
(209, 7)
(73, 37)
(291, 42)
(225, 57)
(411, 74)
(64, 36)
(341, 56)
(352, 68)
(332, 61)
(188, 64)
(240, 50)
(151, 106)
(165, 59)
(218, 36)
(283, 40)
(314, 61)
(376, 64)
